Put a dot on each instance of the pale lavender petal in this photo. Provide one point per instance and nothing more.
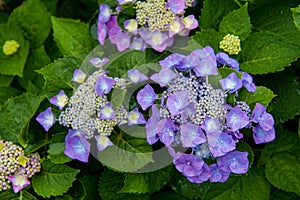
(164, 76)
(107, 112)
(191, 135)
(247, 81)
(136, 76)
(231, 83)
(135, 117)
(190, 22)
(266, 121)
(60, 100)
(211, 125)
(177, 102)
(156, 39)
(46, 119)
(177, 61)
(176, 6)
(131, 25)
(204, 176)
(103, 142)
(138, 44)
(122, 40)
(78, 76)
(125, 1)
(220, 143)
(105, 13)
(260, 136)
(187, 111)
(102, 31)
(165, 129)
(189, 165)
(224, 59)
(175, 26)
(18, 181)
(103, 85)
(98, 62)
(218, 175)
(237, 119)
(146, 97)
(235, 161)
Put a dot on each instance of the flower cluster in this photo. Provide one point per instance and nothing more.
(155, 24)
(195, 115)
(15, 167)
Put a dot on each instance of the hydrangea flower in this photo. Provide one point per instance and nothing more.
(204, 176)
(105, 13)
(220, 143)
(259, 115)
(261, 136)
(189, 165)
(103, 85)
(165, 129)
(151, 123)
(146, 97)
(98, 62)
(235, 161)
(164, 76)
(231, 83)
(177, 61)
(78, 76)
(60, 100)
(247, 82)
(211, 125)
(224, 59)
(191, 135)
(135, 117)
(237, 119)
(19, 181)
(77, 147)
(177, 102)
(102, 142)
(46, 119)
(107, 112)
(218, 175)
(136, 76)
(176, 6)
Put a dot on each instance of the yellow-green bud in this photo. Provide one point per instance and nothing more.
(22, 160)
(10, 47)
(231, 44)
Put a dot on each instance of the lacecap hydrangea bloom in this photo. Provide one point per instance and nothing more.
(155, 23)
(193, 114)
(15, 167)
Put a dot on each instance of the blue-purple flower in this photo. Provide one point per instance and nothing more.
(136, 76)
(98, 62)
(177, 61)
(217, 174)
(46, 119)
(204, 176)
(103, 85)
(259, 115)
(211, 125)
(261, 136)
(18, 181)
(138, 44)
(224, 59)
(235, 161)
(102, 142)
(237, 119)
(176, 6)
(77, 147)
(146, 97)
(78, 76)
(135, 117)
(177, 102)
(189, 165)
(191, 135)
(220, 143)
(247, 82)
(152, 136)
(107, 112)
(60, 100)
(231, 83)
(164, 76)
(165, 129)
(105, 13)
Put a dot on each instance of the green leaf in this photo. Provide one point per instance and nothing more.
(117, 97)
(283, 172)
(277, 194)
(90, 186)
(15, 116)
(262, 95)
(72, 36)
(130, 153)
(58, 75)
(296, 16)
(111, 183)
(10, 195)
(237, 23)
(7, 92)
(286, 86)
(147, 182)
(208, 37)
(253, 185)
(56, 153)
(13, 64)
(182, 186)
(51, 5)
(167, 196)
(213, 11)
(5, 81)
(54, 179)
(34, 20)
(264, 52)
(245, 147)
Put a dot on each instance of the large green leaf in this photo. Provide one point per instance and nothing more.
(130, 153)
(262, 95)
(10, 195)
(72, 36)
(5, 81)
(250, 186)
(265, 52)
(277, 194)
(147, 182)
(111, 183)
(167, 196)
(283, 172)
(13, 64)
(90, 186)
(237, 23)
(56, 153)
(208, 37)
(7, 92)
(58, 75)
(213, 11)
(15, 116)
(34, 20)
(54, 179)
(296, 16)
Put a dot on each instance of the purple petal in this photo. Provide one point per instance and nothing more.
(177, 61)
(257, 112)
(164, 76)
(220, 143)
(189, 165)
(103, 142)
(235, 161)
(156, 39)
(135, 117)
(237, 119)
(211, 125)
(77, 147)
(102, 31)
(260, 136)
(191, 135)
(136, 76)
(107, 112)
(224, 59)
(247, 81)
(151, 133)
(98, 62)
(125, 1)
(231, 83)
(60, 100)
(105, 13)
(218, 175)
(138, 44)
(204, 176)
(177, 102)
(103, 85)
(176, 26)
(190, 22)
(176, 6)
(78, 76)
(18, 181)
(146, 97)
(165, 129)
(266, 121)
(122, 40)
(46, 119)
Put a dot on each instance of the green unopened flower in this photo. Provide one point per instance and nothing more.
(10, 47)
(231, 44)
